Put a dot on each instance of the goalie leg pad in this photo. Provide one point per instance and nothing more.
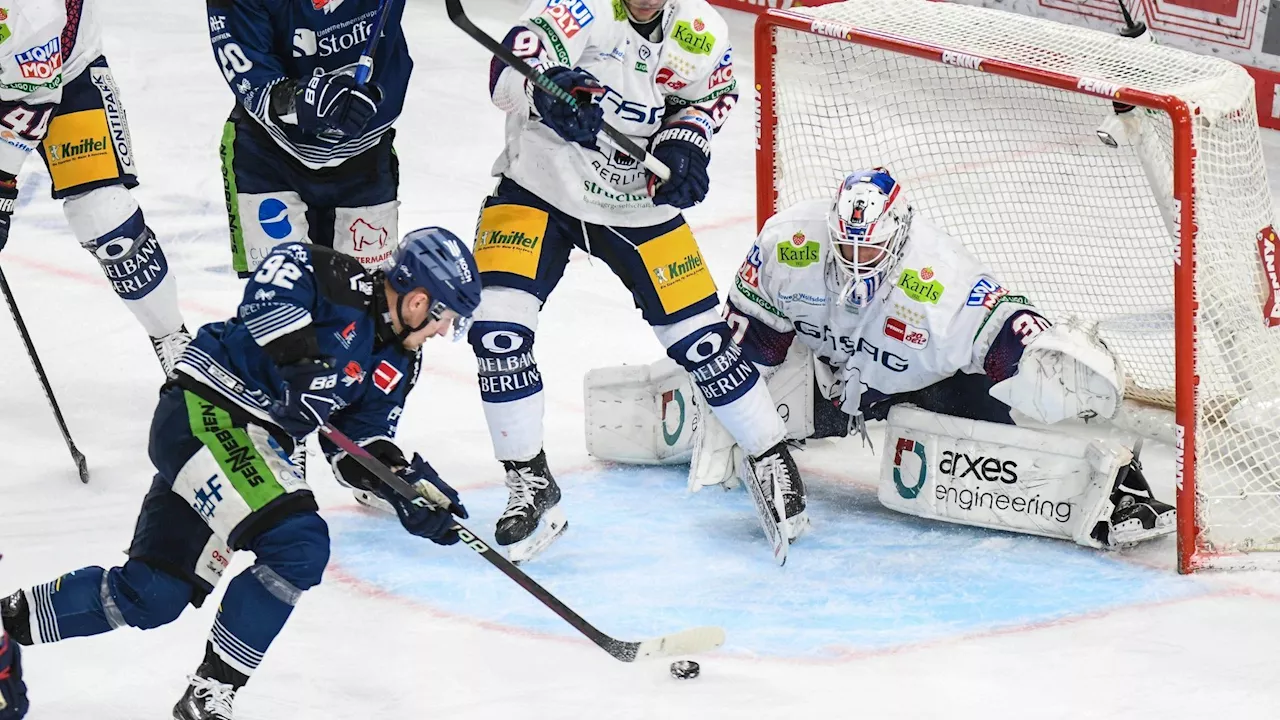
(510, 383)
(991, 475)
(108, 223)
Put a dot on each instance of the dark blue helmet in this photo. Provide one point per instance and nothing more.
(435, 259)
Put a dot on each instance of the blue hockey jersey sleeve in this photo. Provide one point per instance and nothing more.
(241, 33)
(279, 299)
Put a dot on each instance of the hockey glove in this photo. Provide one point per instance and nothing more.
(333, 107)
(8, 201)
(306, 397)
(576, 126)
(13, 692)
(434, 524)
(687, 151)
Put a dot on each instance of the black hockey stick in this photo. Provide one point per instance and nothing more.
(694, 640)
(542, 82)
(82, 466)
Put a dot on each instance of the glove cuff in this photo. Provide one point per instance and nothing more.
(681, 132)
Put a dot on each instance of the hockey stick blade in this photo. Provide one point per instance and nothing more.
(82, 465)
(774, 531)
(459, 17)
(684, 642)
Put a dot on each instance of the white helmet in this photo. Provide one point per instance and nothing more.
(870, 211)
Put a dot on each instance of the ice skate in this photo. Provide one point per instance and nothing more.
(1138, 515)
(169, 348)
(778, 468)
(531, 521)
(205, 699)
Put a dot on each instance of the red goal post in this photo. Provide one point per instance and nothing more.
(868, 82)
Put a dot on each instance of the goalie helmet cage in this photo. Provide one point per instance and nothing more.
(990, 120)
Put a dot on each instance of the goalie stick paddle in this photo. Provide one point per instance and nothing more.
(542, 82)
(82, 466)
(685, 642)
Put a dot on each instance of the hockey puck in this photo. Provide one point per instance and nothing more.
(685, 669)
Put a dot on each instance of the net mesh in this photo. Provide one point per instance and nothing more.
(1017, 172)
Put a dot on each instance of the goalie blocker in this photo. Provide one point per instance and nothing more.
(1020, 479)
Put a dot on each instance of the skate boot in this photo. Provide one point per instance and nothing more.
(780, 478)
(1138, 516)
(169, 348)
(531, 521)
(205, 699)
(17, 617)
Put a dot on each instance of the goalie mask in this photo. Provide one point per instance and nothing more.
(869, 221)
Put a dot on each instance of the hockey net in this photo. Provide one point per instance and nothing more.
(990, 119)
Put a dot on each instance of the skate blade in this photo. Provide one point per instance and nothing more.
(1130, 533)
(798, 526)
(373, 502)
(551, 526)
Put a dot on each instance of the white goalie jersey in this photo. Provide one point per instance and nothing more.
(938, 312)
(690, 66)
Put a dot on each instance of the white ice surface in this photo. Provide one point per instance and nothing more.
(358, 649)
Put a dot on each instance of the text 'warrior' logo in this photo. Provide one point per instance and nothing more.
(41, 62)
(909, 492)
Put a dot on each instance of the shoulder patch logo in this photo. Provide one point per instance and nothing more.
(386, 377)
(918, 288)
(798, 252)
(691, 37)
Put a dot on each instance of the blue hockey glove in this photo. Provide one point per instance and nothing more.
(576, 126)
(687, 151)
(434, 524)
(8, 201)
(13, 692)
(306, 397)
(335, 107)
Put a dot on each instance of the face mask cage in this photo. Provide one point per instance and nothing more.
(868, 224)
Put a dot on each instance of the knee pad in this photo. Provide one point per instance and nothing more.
(704, 346)
(141, 596)
(292, 555)
(502, 338)
(108, 223)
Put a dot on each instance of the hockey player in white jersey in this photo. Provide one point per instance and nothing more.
(57, 96)
(891, 313)
(662, 73)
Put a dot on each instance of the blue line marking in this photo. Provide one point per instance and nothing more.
(641, 557)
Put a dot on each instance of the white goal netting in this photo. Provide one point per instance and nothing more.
(1016, 170)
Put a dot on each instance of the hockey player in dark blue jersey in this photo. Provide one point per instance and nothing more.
(316, 340)
(307, 153)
